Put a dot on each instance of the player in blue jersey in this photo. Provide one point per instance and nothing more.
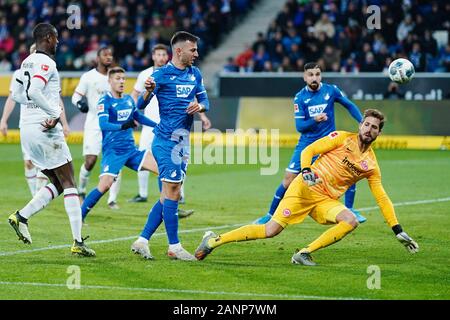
(180, 91)
(117, 114)
(314, 119)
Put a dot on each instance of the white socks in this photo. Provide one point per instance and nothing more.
(83, 179)
(142, 240)
(41, 180)
(143, 183)
(175, 246)
(73, 209)
(40, 200)
(115, 188)
(30, 175)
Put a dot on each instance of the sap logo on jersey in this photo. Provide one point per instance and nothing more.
(316, 110)
(183, 90)
(123, 115)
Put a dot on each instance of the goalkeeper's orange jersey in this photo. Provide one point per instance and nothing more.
(341, 164)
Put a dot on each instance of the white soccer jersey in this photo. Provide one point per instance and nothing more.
(152, 109)
(39, 65)
(16, 75)
(93, 85)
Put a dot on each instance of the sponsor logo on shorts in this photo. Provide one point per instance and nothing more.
(173, 174)
(364, 165)
(286, 212)
(106, 168)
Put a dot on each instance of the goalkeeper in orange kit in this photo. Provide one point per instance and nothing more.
(345, 158)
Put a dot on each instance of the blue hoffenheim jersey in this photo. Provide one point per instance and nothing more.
(308, 104)
(175, 89)
(119, 112)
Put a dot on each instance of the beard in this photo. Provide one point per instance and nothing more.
(313, 86)
(366, 139)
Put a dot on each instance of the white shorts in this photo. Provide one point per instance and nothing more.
(147, 135)
(92, 142)
(47, 150)
(26, 156)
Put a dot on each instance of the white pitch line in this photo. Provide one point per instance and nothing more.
(159, 290)
(400, 204)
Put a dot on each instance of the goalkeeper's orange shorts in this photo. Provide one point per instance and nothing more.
(299, 202)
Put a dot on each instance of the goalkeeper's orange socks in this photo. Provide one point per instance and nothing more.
(245, 233)
(330, 236)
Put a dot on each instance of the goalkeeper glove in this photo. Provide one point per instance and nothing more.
(82, 106)
(310, 177)
(129, 124)
(405, 239)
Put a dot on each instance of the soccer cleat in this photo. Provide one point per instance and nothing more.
(184, 213)
(113, 205)
(263, 220)
(20, 225)
(180, 254)
(359, 217)
(303, 258)
(81, 249)
(138, 198)
(204, 249)
(141, 248)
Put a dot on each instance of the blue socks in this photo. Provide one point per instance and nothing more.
(279, 194)
(90, 201)
(170, 216)
(155, 217)
(350, 196)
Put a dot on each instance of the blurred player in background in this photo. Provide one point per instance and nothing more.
(160, 56)
(38, 87)
(35, 178)
(181, 94)
(345, 158)
(117, 114)
(314, 119)
(93, 84)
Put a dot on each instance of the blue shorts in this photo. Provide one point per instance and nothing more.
(113, 161)
(172, 159)
(295, 165)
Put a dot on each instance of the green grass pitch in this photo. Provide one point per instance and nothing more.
(224, 196)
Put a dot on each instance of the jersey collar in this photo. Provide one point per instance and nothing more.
(42, 52)
(320, 86)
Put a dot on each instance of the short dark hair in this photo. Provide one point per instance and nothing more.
(115, 70)
(312, 65)
(375, 113)
(182, 36)
(99, 51)
(160, 46)
(42, 30)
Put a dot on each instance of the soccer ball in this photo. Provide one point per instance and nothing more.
(401, 70)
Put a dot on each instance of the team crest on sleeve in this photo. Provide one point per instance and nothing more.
(287, 212)
(44, 67)
(101, 107)
(333, 135)
(364, 165)
(296, 109)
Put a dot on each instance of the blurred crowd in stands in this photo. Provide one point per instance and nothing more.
(132, 27)
(335, 34)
